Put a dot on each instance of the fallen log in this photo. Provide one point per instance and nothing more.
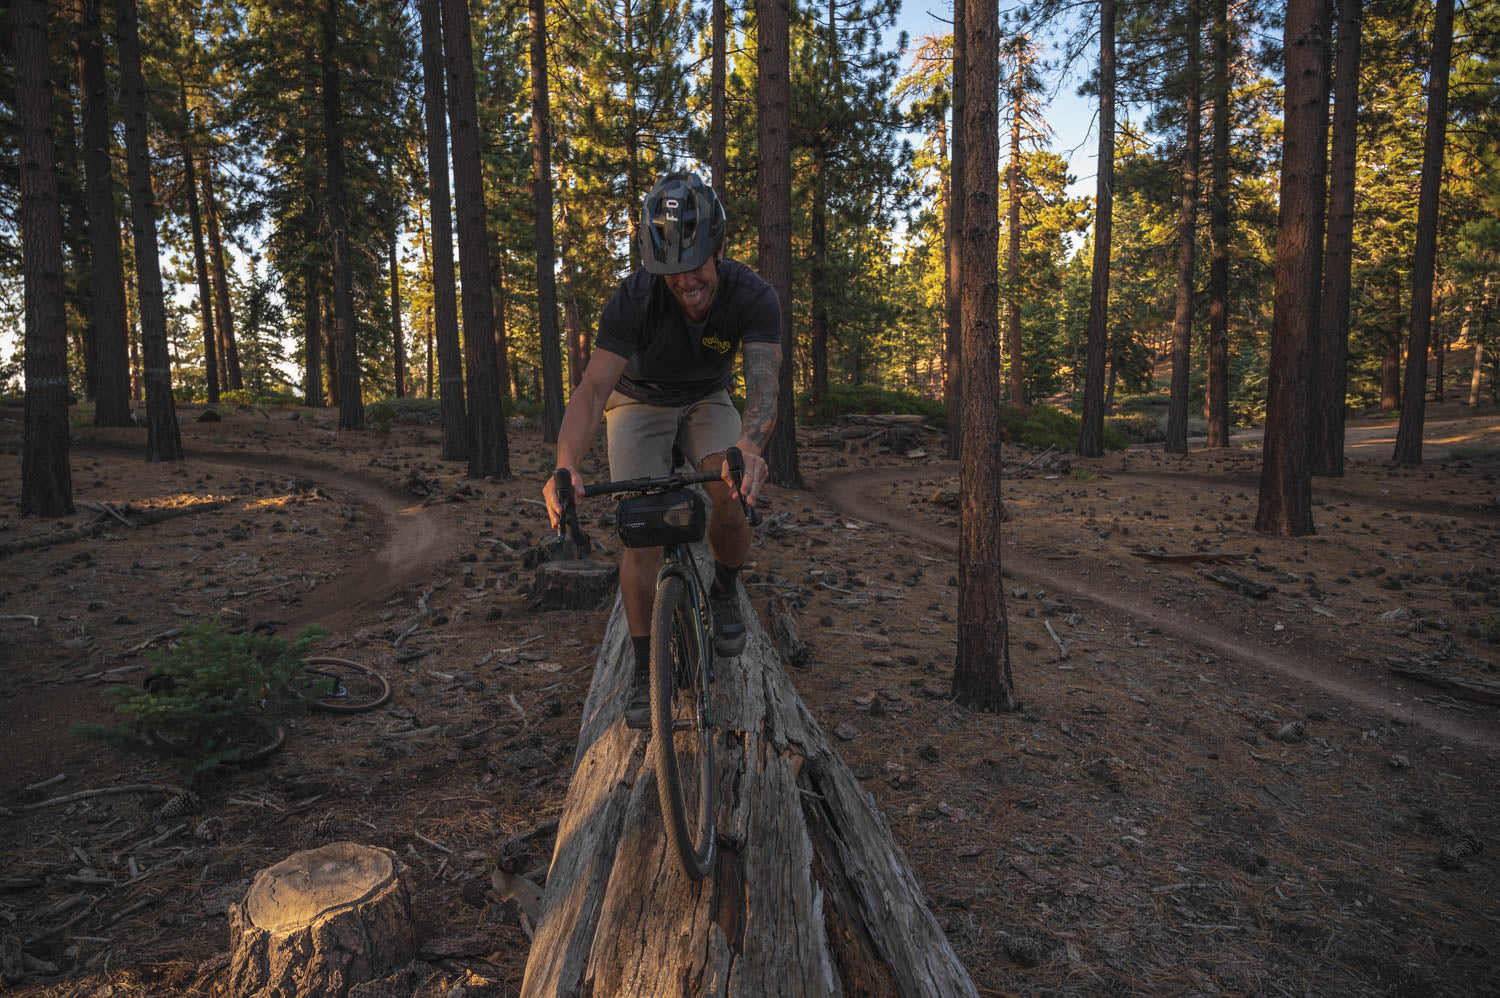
(809, 894)
(132, 517)
(1478, 690)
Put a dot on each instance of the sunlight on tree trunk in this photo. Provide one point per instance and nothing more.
(1091, 432)
(1286, 473)
(1414, 390)
(1187, 231)
(1327, 427)
(981, 673)
(774, 169)
(541, 203)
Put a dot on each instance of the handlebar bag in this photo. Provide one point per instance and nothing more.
(661, 519)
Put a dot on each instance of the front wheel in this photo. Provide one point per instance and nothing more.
(680, 739)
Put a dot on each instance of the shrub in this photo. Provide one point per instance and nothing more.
(243, 396)
(844, 400)
(1042, 426)
(214, 698)
(1137, 428)
(406, 411)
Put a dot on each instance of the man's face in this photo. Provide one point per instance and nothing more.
(695, 289)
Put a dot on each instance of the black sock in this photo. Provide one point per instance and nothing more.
(642, 648)
(724, 577)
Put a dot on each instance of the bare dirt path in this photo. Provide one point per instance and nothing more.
(413, 537)
(849, 492)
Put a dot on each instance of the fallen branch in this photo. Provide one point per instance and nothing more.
(1062, 648)
(130, 788)
(106, 508)
(164, 635)
(1208, 557)
(137, 518)
(1237, 582)
(35, 621)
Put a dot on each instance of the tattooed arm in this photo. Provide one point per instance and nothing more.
(762, 371)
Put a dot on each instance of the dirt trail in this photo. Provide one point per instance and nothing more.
(849, 492)
(412, 536)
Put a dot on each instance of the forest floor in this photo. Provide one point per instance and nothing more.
(1218, 784)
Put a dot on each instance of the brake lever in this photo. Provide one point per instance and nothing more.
(736, 462)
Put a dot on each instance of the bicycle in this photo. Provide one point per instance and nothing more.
(661, 512)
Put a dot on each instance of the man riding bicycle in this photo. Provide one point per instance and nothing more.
(660, 375)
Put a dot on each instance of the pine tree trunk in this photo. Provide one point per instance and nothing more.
(541, 203)
(111, 334)
(1187, 232)
(1091, 432)
(1013, 236)
(1439, 358)
(817, 253)
(228, 347)
(163, 438)
(1414, 390)
(398, 342)
(718, 128)
(46, 476)
(1286, 472)
(953, 236)
(444, 282)
(502, 346)
(981, 673)
(331, 351)
(312, 339)
(1216, 401)
(1327, 426)
(73, 201)
(350, 403)
(200, 260)
(774, 173)
(577, 336)
(1484, 315)
(489, 452)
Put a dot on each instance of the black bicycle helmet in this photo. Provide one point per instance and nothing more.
(682, 225)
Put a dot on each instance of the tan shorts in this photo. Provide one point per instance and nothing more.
(641, 435)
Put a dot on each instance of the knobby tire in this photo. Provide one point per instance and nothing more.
(683, 753)
(356, 688)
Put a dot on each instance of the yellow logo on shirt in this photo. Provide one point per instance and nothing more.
(714, 343)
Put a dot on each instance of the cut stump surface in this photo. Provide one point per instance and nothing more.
(321, 922)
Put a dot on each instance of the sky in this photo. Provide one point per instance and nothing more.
(1071, 117)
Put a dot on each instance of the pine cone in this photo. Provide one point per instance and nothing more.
(184, 803)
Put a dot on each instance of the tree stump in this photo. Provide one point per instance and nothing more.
(584, 584)
(320, 922)
(809, 895)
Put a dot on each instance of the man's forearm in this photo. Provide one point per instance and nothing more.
(579, 424)
(762, 373)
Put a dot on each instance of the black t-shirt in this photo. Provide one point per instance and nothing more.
(671, 361)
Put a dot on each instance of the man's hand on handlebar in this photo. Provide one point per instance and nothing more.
(550, 497)
(755, 473)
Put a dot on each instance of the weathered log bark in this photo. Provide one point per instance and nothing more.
(809, 894)
(789, 642)
(320, 922)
